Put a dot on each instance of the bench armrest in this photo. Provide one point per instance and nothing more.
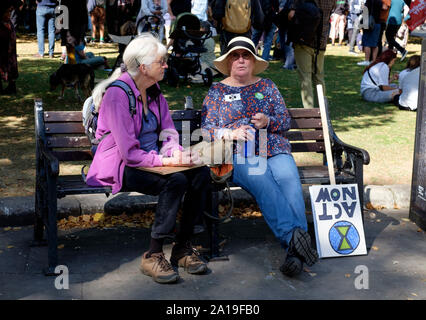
(51, 160)
(339, 146)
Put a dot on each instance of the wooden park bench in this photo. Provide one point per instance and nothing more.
(60, 137)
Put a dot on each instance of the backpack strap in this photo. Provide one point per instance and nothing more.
(132, 99)
(371, 78)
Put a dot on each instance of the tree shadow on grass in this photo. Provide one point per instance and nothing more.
(343, 78)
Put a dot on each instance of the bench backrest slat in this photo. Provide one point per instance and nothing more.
(65, 135)
(304, 135)
(63, 116)
(73, 155)
(308, 147)
(64, 128)
(68, 142)
(306, 123)
(304, 113)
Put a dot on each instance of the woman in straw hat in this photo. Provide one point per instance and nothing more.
(244, 107)
(148, 138)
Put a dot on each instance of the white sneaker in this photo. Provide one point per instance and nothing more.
(363, 63)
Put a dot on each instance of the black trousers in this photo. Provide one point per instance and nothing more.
(391, 31)
(193, 184)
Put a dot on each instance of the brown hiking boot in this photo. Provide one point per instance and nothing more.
(158, 268)
(187, 257)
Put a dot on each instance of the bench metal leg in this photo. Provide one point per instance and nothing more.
(213, 230)
(360, 182)
(40, 210)
(51, 227)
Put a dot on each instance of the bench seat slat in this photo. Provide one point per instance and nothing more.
(74, 184)
(319, 174)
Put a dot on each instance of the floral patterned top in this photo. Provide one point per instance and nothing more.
(231, 107)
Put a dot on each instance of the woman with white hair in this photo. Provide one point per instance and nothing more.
(148, 138)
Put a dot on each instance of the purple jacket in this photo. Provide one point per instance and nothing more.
(121, 147)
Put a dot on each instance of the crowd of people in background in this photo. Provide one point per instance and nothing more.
(268, 24)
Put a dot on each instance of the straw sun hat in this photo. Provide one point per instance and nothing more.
(221, 63)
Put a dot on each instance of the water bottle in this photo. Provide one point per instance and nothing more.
(249, 145)
(188, 103)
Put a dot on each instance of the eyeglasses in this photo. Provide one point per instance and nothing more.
(162, 62)
(236, 56)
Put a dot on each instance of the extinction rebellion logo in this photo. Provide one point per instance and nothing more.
(343, 237)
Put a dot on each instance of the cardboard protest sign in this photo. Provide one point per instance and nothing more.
(417, 14)
(339, 230)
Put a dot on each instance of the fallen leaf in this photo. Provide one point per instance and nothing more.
(375, 248)
(414, 294)
(312, 274)
(7, 228)
(61, 246)
(405, 219)
(395, 262)
(10, 247)
(86, 218)
(98, 217)
(17, 228)
(347, 275)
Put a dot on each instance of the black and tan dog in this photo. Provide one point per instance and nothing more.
(79, 75)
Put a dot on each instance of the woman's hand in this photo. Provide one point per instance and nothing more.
(260, 120)
(243, 133)
(181, 159)
(395, 77)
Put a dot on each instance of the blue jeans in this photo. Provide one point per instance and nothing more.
(287, 50)
(267, 40)
(42, 14)
(278, 192)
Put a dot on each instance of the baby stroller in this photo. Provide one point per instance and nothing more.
(188, 44)
(151, 23)
(130, 30)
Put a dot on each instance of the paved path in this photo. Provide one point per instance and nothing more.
(103, 264)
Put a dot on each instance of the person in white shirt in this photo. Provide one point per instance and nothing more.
(409, 84)
(375, 85)
(152, 8)
(199, 8)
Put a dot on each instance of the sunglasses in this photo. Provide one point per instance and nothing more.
(236, 56)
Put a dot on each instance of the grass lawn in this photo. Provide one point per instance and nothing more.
(384, 131)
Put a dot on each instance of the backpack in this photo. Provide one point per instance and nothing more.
(237, 17)
(90, 115)
(306, 26)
